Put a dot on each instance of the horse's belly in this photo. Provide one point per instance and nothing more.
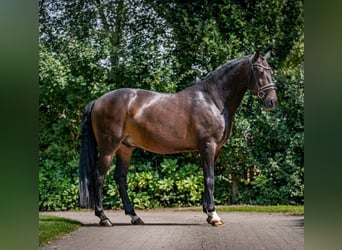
(158, 144)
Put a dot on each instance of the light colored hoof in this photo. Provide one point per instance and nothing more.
(217, 223)
(215, 220)
(137, 221)
(106, 223)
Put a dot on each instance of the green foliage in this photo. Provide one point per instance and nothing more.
(168, 185)
(88, 48)
(270, 143)
(58, 179)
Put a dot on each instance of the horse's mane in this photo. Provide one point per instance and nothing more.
(223, 68)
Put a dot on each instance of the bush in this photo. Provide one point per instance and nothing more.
(169, 184)
(58, 179)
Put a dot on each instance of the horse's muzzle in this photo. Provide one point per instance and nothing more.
(271, 103)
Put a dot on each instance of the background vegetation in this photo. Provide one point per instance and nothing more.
(87, 48)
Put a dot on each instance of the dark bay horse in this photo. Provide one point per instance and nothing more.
(198, 118)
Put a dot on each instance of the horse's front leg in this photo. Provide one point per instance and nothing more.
(100, 174)
(208, 164)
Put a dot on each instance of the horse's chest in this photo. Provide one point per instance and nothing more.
(214, 126)
(223, 129)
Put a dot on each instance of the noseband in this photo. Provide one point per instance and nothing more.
(261, 89)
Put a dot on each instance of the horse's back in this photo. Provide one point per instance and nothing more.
(127, 101)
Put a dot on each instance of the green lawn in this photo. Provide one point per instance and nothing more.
(53, 228)
(295, 210)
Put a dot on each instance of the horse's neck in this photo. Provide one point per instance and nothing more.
(228, 90)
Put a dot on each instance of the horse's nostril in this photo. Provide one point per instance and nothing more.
(271, 103)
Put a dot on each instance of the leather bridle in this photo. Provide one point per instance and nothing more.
(261, 89)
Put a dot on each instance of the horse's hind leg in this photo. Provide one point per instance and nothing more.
(123, 156)
(100, 174)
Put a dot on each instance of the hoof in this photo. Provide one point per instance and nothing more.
(106, 223)
(214, 222)
(137, 221)
(217, 223)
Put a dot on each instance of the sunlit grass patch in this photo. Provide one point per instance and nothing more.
(288, 209)
(297, 210)
(53, 228)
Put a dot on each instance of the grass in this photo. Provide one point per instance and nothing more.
(296, 210)
(288, 209)
(53, 228)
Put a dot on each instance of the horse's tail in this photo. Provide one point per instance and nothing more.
(88, 158)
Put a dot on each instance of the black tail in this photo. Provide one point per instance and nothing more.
(88, 158)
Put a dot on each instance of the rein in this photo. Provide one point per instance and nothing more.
(261, 89)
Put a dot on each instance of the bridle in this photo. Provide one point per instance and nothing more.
(261, 89)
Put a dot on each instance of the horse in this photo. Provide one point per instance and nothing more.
(197, 118)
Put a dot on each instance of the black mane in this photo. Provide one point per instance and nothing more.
(213, 75)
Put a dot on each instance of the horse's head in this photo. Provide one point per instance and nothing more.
(260, 79)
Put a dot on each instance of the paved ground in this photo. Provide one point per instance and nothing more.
(173, 229)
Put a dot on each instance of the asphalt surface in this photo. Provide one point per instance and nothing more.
(174, 229)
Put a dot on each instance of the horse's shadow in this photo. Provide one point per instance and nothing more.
(146, 224)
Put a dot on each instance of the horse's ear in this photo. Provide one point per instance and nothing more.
(268, 55)
(256, 55)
